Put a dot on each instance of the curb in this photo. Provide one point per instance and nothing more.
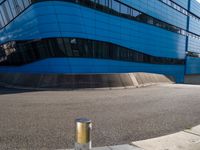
(188, 139)
(115, 147)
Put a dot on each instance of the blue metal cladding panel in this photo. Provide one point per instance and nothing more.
(193, 65)
(194, 45)
(195, 7)
(183, 3)
(79, 65)
(159, 10)
(194, 25)
(39, 22)
(28, 26)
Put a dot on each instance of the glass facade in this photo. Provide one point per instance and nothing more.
(9, 9)
(180, 9)
(158, 32)
(24, 52)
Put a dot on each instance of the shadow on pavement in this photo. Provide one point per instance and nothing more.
(4, 90)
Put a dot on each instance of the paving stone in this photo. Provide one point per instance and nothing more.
(124, 147)
(194, 130)
(95, 148)
(101, 148)
(177, 141)
(116, 147)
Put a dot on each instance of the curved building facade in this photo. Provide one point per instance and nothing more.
(100, 36)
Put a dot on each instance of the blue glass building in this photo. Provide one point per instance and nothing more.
(100, 36)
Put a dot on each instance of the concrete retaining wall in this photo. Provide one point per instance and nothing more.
(192, 79)
(81, 81)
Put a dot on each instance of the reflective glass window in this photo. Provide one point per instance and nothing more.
(115, 5)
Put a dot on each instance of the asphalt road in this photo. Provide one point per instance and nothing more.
(45, 119)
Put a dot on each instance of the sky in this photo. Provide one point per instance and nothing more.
(198, 1)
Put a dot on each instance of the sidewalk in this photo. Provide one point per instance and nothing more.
(118, 147)
(185, 140)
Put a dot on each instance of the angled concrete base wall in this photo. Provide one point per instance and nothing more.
(81, 81)
(192, 79)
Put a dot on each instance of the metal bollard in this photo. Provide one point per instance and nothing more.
(83, 134)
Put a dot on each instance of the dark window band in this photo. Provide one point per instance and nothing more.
(17, 53)
(193, 54)
(10, 9)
